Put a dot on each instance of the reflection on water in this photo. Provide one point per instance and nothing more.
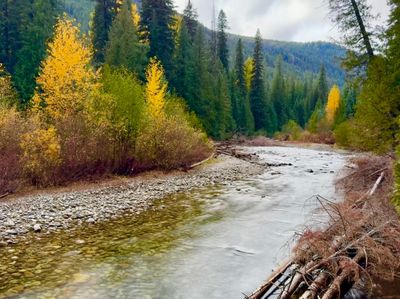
(212, 243)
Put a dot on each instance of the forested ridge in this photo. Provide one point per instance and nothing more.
(298, 58)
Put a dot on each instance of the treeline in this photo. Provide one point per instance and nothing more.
(228, 95)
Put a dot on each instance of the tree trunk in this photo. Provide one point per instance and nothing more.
(365, 35)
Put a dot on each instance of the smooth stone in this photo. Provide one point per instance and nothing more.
(37, 228)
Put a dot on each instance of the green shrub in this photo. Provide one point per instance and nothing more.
(171, 143)
(292, 130)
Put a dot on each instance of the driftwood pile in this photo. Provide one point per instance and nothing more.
(361, 243)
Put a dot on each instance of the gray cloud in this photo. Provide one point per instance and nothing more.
(292, 20)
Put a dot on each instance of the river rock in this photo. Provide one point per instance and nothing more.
(37, 228)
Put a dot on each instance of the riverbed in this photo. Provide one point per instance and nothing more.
(218, 241)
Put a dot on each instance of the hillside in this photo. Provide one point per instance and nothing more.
(299, 58)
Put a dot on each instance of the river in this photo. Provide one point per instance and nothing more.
(216, 242)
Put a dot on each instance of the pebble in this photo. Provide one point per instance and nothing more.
(37, 228)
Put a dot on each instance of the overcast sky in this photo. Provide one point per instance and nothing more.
(289, 20)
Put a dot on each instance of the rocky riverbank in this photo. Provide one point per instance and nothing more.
(48, 212)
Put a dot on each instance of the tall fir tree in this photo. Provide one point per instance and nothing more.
(320, 93)
(184, 73)
(156, 24)
(240, 97)
(190, 19)
(264, 118)
(124, 48)
(277, 95)
(105, 11)
(25, 27)
(33, 46)
(222, 40)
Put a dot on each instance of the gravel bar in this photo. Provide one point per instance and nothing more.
(49, 212)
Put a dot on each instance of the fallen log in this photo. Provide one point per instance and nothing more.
(376, 185)
(319, 284)
(336, 286)
(297, 280)
(262, 290)
(201, 162)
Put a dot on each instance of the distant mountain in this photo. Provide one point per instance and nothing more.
(299, 58)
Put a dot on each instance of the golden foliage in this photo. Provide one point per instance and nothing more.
(41, 154)
(66, 78)
(333, 103)
(135, 15)
(156, 89)
(248, 72)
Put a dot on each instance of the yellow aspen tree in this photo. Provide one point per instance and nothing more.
(248, 72)
(66, 78)
(135, 15)
(156, 89)
(333, 103)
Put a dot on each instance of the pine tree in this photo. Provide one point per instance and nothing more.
(123, 48)
(184, 74)
(25, 27)
(354, 19)
(157, 22)
(33, 46)
(258, 101)
(278, 95)
(190, 18)
(104, 14)
(240, 97)
(222, 40)
(66, 78)
(320, 94)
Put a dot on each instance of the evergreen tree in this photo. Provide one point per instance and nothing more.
(278, 95)
(104, 14)
(190, 19)
(184, 74)
(124, 48)
(263, 119)
(32, 50)
(156, 23)
(354, 18)
(240, 97)
(25, 27)
(222, 40)
(320, 94)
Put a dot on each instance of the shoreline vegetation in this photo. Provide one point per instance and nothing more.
(358, 251)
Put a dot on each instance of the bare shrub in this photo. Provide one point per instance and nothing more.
(87, 148)
(12, 126)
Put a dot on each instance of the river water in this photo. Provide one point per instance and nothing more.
(217, 242)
